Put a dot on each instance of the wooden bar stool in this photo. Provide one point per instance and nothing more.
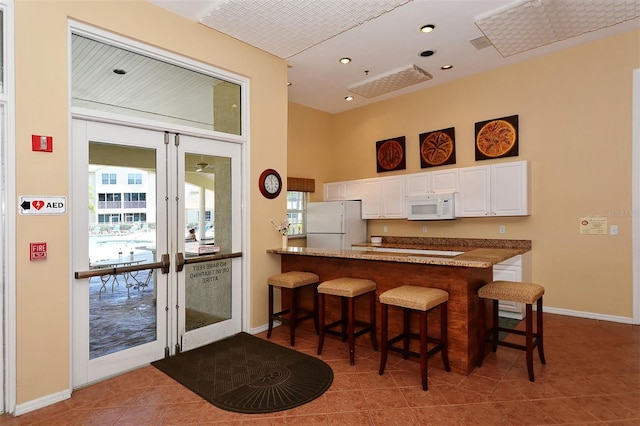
(348, 289)
(292, 281)
(527, 293)
(411, 299)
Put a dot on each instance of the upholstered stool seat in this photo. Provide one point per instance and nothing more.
(423, 300)
(348, 289)
(527, 293)
(291, 282)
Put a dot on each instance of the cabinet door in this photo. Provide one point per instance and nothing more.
(444, 181)
(474, 198)
(371, 196)
(394, 204)
(510, 270)
(418, 184)
(353, 190)
(509, 189)
(333, 191)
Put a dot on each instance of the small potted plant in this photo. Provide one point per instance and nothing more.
(283, 229)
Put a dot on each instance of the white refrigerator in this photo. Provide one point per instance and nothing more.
(335, 224)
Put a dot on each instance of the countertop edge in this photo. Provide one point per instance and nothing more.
(472, 258)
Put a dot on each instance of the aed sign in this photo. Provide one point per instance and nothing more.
(34, 205)
(38, 251)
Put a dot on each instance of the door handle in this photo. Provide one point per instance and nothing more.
(179, 262)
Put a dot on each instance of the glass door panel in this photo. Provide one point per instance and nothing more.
(120, 233)
(210, 281)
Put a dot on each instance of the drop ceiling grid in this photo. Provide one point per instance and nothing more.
(537, 23)
(285, 28)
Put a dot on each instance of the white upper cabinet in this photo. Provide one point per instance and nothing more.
(333, 191)
(474, 198)
(509, 189)
(353, 190)
(494, 190)
(384, 198)
(339, 191)
(432, 182)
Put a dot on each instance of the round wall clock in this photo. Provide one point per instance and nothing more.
(270, 183)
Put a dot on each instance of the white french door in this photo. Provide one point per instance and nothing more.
(141, 289)
(208, 270)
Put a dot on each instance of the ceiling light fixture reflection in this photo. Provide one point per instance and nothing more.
(348, 98)
(345, 61)
(428, 28)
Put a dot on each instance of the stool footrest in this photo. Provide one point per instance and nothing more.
(534, 342)
(438, 344)
(278, 316)
(366, 327)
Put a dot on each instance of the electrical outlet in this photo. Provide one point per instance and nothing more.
(385, 229)
(613, 229)
(502, 229)
(424, 229)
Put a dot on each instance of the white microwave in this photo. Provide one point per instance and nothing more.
(431, 207)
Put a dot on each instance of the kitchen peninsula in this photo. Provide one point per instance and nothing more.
(458, 266)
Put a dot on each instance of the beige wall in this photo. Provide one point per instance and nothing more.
(574, 111)
(43, 288)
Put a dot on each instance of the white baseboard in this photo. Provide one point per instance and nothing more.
(263, 327)
(42, 402)
(589, 315)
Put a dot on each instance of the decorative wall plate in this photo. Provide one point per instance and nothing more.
(437, 148)
(390, 154)
(497, 138)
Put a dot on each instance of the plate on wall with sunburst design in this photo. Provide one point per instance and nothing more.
(438, 148)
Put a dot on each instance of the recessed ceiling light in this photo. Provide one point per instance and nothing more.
(288, 83)
(119, 71)
(428, 28)
(446, 67)
(345, 60)
(348, 98)
(427, 53)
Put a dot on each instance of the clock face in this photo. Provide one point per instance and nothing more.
(270, 183)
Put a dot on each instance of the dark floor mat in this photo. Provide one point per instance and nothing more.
(249, 375)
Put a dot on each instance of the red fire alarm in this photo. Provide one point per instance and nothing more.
(42, 143)
(38, 251)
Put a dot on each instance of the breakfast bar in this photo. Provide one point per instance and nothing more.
(458, 266)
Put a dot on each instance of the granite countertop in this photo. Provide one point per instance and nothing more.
(477, 253)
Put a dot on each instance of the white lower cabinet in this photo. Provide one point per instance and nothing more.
(516, 269)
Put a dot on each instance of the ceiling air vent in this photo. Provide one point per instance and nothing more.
(391, 81)
(480, 42)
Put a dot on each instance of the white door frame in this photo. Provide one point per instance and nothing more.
(243, 139)
(8, 257)
(635, 197)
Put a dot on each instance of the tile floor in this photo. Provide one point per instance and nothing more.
(592, 377)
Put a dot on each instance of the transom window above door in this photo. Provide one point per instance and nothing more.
(114, 80)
